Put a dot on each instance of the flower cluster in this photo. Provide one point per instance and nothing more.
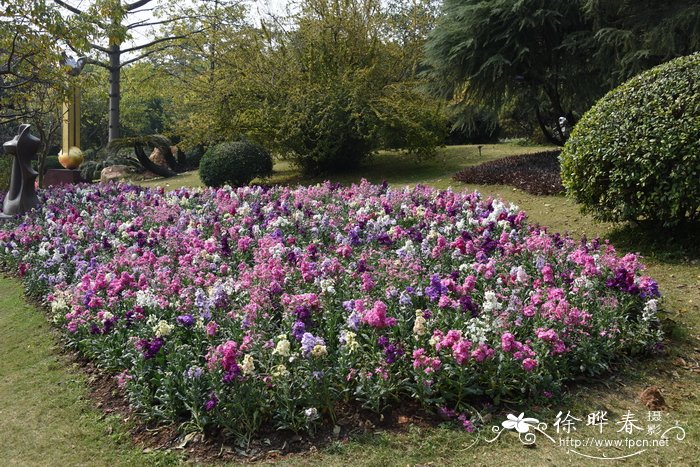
(236, 307)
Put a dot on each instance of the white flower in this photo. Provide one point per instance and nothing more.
(280, 371)
(650, 309)
(490, 301)
(162, 329)
(282, 347)
(519, 423)
(350, 341)
(311, 413)
(419, 324)
(319, 351)
(248, 366)
(327, 286)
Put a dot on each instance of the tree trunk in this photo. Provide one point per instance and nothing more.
(114, 92)
(545, 131)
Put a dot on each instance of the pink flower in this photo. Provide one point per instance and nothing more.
(529, 364)
(548, 274)
(377, 317)
(507, 342)
(483, 352)
(460, 350)
(367, 282)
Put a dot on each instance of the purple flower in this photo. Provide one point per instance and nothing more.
(185, 320)
(435, 289)
(211, 404)
(308, 342)
(150, 348)
(298, 330)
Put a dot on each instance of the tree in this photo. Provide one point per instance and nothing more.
(486, 52)
(555, 58)
(29, 61)
(108, 26)
(33, 84)
(636, 36)
(324, 88)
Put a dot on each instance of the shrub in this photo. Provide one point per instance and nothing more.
(636, 154)
(234, 163)
(51, 162)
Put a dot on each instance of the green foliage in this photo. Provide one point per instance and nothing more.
(5, 168)
(234, 163)
(636, 154)
(51, 162)
(486, 52)
(324, 94)
(553, 58)
(477, 127)
(634, 36)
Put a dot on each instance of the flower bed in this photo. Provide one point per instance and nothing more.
(237, 308)
(537, 173)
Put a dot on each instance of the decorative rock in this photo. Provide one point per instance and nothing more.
(114, 173)
(158, 158)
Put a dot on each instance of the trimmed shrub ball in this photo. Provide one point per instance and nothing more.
(234, 163)
(635, 156)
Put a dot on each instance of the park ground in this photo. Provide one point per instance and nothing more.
(48, 418)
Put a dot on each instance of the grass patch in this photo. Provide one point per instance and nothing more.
(46, 417)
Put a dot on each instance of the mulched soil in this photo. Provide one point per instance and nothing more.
(537, 174)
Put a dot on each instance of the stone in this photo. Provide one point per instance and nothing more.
(115, 173)
(62, 177)
(158, 158)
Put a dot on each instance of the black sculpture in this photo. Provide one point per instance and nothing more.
(22, 195)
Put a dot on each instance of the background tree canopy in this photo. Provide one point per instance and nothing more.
(335, 80)
(553, 57)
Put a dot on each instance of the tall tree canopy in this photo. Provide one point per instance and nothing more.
(555, 57)
(107, 32)
(326, 87)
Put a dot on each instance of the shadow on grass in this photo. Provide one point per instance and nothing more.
(672, 246)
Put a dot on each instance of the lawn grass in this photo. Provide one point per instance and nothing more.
(45, 415)
(38, 413)
(392, 167)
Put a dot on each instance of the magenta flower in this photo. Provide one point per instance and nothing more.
(377, 317)
(529, 364)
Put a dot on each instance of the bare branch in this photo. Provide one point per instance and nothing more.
(144, 55)
(157, 41)
(136, 4)
(144, 23)
(68, 7)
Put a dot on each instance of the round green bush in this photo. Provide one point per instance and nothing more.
(636, 154)
(234, 163)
